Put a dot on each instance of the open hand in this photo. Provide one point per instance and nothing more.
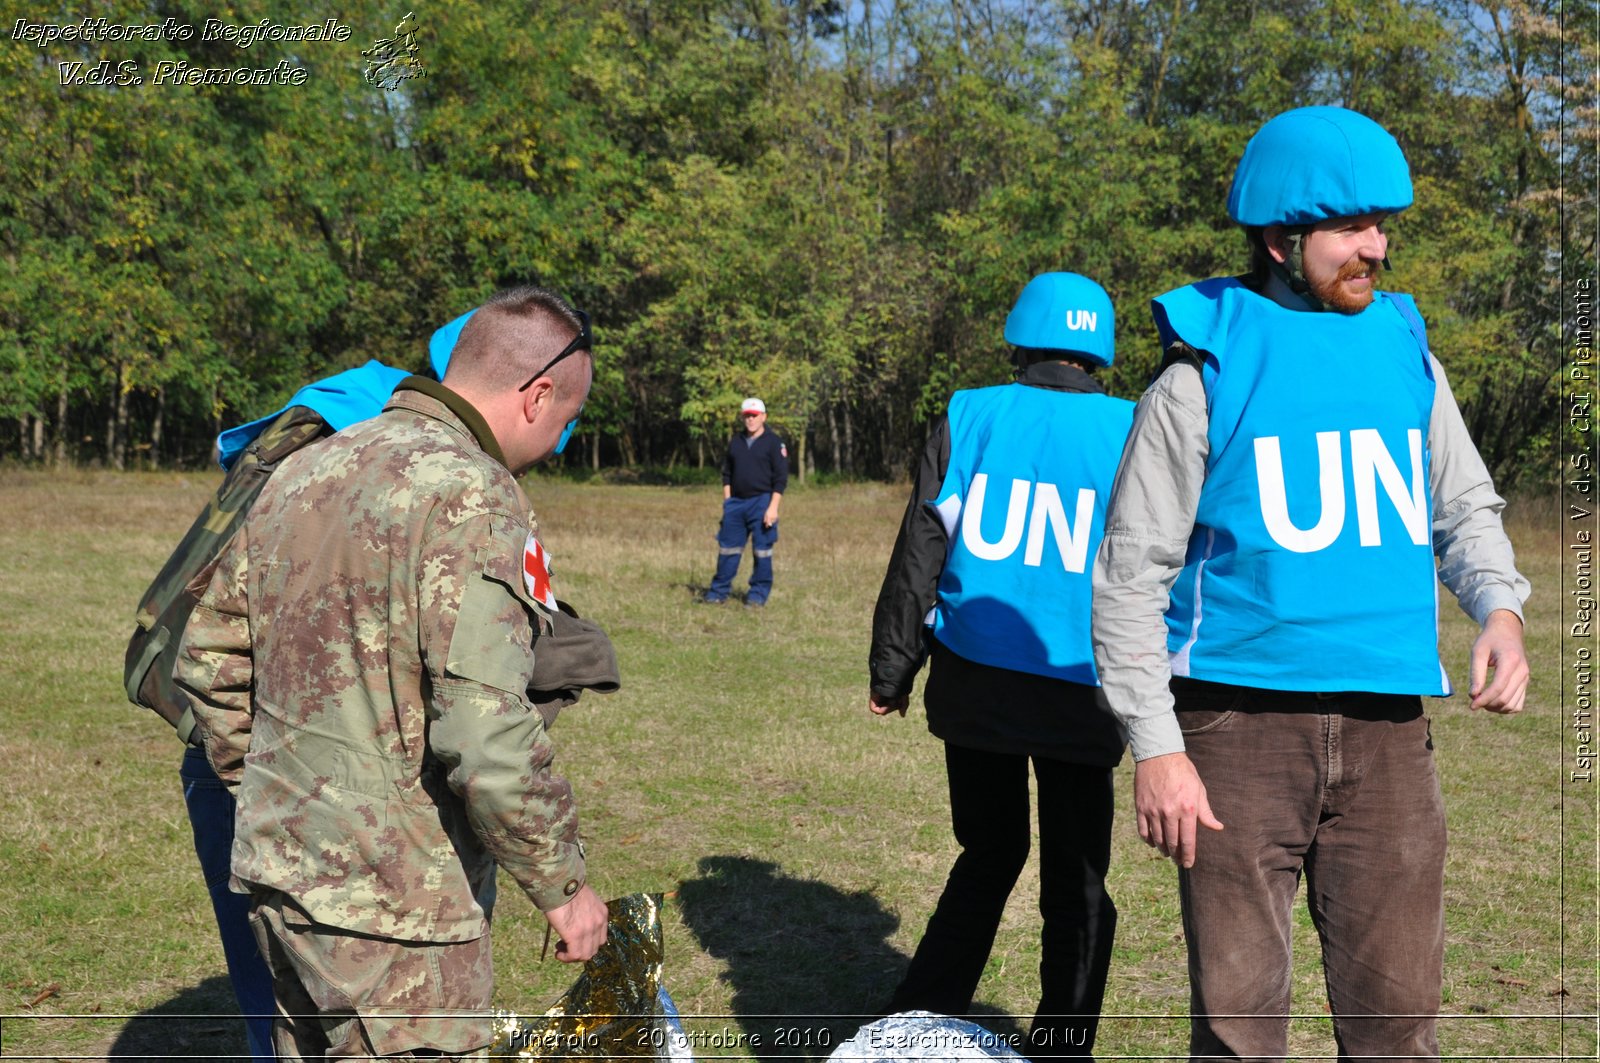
(1170, 800)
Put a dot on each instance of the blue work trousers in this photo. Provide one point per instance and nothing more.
(741, 520)
(211, 809)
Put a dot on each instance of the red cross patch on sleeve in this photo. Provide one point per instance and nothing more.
(536, 573)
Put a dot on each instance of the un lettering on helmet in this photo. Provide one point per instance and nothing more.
(1064, 312)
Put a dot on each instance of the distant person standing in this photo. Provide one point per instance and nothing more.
(754, 475)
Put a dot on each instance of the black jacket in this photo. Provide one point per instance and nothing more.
(972, 704)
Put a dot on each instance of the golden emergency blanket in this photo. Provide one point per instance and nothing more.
(613, 1009)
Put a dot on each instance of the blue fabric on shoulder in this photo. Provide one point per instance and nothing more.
(1193, 314)
(444, 342)
(345, 398)
(342, 399)
(1408, 310)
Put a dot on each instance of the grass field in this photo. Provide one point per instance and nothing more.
(806, 841)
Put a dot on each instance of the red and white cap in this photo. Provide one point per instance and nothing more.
(752, 405)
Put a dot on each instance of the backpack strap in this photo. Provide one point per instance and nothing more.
(166, 604)
(1179, 353)
(1413, 320)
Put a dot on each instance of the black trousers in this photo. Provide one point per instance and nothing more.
(989, 810)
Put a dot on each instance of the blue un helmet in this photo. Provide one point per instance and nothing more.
(1064, 312)
(1315, 163)
(1309, 165)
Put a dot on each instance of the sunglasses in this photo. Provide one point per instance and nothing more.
(583, 341)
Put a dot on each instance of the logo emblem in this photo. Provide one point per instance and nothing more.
(536, 573)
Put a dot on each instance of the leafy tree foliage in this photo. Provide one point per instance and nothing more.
(831, 205)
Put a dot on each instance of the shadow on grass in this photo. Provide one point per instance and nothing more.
(807, 963)
(199, 1025)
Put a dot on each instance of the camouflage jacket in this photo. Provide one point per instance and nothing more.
(358, 667)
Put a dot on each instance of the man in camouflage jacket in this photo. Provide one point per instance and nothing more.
(359, 666)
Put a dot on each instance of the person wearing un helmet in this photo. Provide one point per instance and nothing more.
(990, 575)
(1265, 606)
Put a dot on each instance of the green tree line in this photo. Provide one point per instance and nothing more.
(830, 204)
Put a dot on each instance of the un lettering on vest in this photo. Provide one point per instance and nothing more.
(1046, 515)
(1371, 463)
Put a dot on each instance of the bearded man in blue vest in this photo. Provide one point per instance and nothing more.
(1266, 611)
(995, 552)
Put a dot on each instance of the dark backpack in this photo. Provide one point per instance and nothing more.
(165, 607)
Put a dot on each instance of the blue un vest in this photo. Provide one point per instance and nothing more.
(1024, 506)
(1311, 563)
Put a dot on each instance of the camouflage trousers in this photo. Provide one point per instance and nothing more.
(344, 995)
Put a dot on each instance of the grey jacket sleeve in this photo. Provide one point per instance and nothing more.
(1148, 523)
(1475, 557)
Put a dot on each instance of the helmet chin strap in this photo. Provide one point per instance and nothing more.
(1292, 270)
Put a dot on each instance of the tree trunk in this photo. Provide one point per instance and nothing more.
(849, 441)
(59, 459)
(1162, 61)
(833, 436)
(594, 451)
(117, 433)
(110, 443)
(155, 426)
(216, 425)
(891, 453)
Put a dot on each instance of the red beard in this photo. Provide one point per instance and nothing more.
(1333, 293)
